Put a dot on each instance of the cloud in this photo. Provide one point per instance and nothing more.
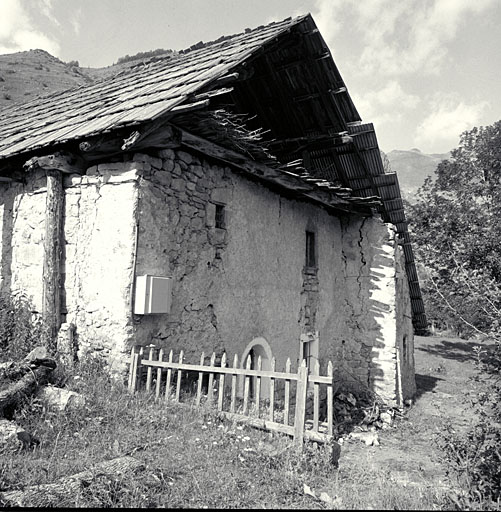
(401, 37)
(47, 9)
(448, 118)
(18, 31)
(386, 104)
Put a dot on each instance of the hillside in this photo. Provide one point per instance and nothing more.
(24, 75)
(412, 168)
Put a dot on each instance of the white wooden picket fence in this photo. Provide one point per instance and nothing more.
(164, 378)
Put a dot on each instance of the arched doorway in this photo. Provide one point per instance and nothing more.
(257, 347)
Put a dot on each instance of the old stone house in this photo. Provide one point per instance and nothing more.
(222, 198)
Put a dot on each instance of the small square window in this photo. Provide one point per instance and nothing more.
(220, 217)
(311, 259)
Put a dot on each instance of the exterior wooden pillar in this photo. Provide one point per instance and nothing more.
(55, 165)
(51, 298)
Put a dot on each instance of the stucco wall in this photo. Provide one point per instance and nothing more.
(99, 230)
(245, 282)
(230, 286)
(22, 208)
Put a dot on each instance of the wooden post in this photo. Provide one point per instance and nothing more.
(179, 376)
(272, 391)
(258, 386)
(234, 385)
(246, 385)
(221, 385)
(210, 389)
(330, 405)
(131, 368)
(149, 370)
(169, 376)
(302, 387)
(200, 380)
(159, 374)
(316, 396)
(287, 392)
(51, 295)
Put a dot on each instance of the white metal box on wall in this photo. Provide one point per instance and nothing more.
(153, 295)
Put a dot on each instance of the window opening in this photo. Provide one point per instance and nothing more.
(220, 217)
(310, 249)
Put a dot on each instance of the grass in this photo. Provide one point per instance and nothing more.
(192, 458)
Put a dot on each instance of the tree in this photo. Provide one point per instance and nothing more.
(456, 228)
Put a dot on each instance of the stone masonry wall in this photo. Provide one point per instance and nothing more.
(232, 284)
(247, 281)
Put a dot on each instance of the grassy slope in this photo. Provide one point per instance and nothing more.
(193, 459)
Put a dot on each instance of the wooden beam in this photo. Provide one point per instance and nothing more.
(294, 184)
(156, 134)
(61, 161)
(51, 298)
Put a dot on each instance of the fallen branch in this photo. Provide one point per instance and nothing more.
(67, 488)
(36, 374)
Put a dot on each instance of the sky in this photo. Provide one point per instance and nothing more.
(423, 71)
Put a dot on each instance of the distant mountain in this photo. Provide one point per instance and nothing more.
(412, 168)
(24, 75)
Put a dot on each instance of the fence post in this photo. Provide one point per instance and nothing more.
(302, 387)
(131, 367)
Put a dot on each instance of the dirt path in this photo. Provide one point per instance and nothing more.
(444, 371)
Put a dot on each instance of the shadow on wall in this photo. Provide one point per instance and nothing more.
(372, 325)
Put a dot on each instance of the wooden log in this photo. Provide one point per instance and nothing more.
(27, 385)
(61, 161)
(52, 245)
(67, 488)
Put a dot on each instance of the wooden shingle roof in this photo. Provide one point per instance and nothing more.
(140, 94)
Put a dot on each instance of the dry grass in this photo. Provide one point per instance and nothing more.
(192, 458)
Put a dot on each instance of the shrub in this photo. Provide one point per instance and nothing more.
(475, 456)
(20, 327)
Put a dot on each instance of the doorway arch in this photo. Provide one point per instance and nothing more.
(257, 347)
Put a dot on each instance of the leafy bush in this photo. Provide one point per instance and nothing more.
(456, 229)
(475, 457)
(20, 327)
